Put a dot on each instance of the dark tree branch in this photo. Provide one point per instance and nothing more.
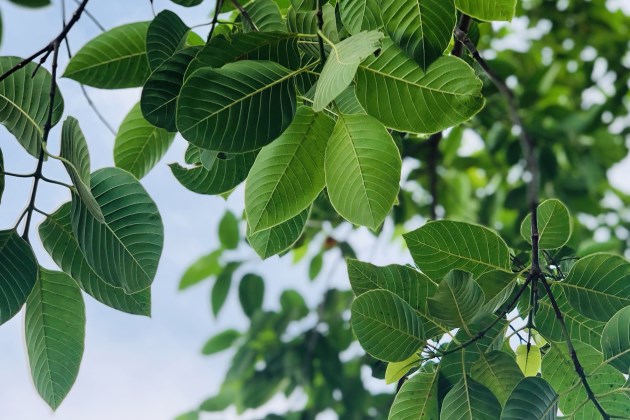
(215, 18)
(92, 18)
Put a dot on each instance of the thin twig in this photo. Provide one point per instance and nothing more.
(17, 175)
(215, 18)
(92, 18)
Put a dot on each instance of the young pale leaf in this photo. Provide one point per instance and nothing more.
(139, 145)
(598, 286)
(488, 10)
(266, 17)
(204, 267)
(279, 238)
(288, 174)
(441, 246)
(554, 225)
(238, 108)
(532, 399)
(342, 64)
(113, 60)
(74, 150)
(55, 334)
(166, 34)
(528, 361)
(397, 370)
(616, 340)
(220, 342)
(18, 273)
(61, 244)
(469, 400)
(360, 15)
(422, 28)
(363, 168)
(228, 231)
(417, 398)
(457, 300)
(386, 326)
(251, 291)
(25, 115)
(394, 89)
(125, 250)
(498, 372)
(222, 287)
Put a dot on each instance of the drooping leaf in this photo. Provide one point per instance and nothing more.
(257, 106)
(362, 168)
(251, 291)
(228, 231)
(422, 28)
(360, 15)
(532, 399)
(441, 246)
(598, 286)
(166, 34)
(397, 370)
(498, 372)
(529, 361)
(205, 266)
(457, 300)
(342, 64)
(220, 342)
(222, 286)
(279, 238)
(469, 400)
(187, 3)
(125, 250)
(488, 10)
(417, 398)
(265, 15)
(616, 340)
(139, 145)
(55, 334)
(25, 102)
(18, 273)
(554, 225)
(394, 89)
(31, 3)
(288, 174)
(59, 241)
(386, 326)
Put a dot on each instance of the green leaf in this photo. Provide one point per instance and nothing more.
(457, 300)
(342, 64)
(266, 15)
(471, 401)
(417, 398)
(59, 241)
(165, 36)
(187, 3)
(25, 115)
(347, 102)
(55, 334)
(204, 267)
(74, 150)
(497, 287)
(554, 225)
(279, 238)
(139, 145)
(18, 273)
(488, 10)
(293, 305)
(238, 108)
(616, 340)
(498, 372)
(386, 326)
(222, 286)
(288, 174)
(422, 28)
(228, 231)
(394, 89)
(532, 399)
(220, 342)
(598, 286)
(251, 291)
(528, 361)
(113, 60)
(397, 370)
(362, 170)
(315, 267)
(125, 250)
(31, 3)
(441, 246)
(360, 15)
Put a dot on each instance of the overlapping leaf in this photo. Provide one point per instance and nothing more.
(457, 300)
(498, 372)
(397, 370)
(554, 225)
(166, 34)
(469, 400)
(417, 398)
(616, 340)
(488, 10)
(532, 399)
(279, 238)
(266, 17)
(18, 273)
(360, 15)
(497, 286)
(528, 359)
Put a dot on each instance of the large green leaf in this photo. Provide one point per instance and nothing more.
(18, 273)
(441, 246)
(554, 225)
(362, 170)
(279, 238)
(360, 15)
(166, 34)
(469, 400)
(288, 174)
(342, 65)
(114, 59)
(251, 291)
(532, 399)
(488, 9)
(422, 28)
(498, 372)
(394, 89)
(497, 287)
(139, 145)
(616, 340)
(125, 250)
(457, 300)
(59, 241)
(266, 16)
(237, 108)
(598, 286)
(55, 334)
(25, 102)
(386, 326)
(417, 399)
